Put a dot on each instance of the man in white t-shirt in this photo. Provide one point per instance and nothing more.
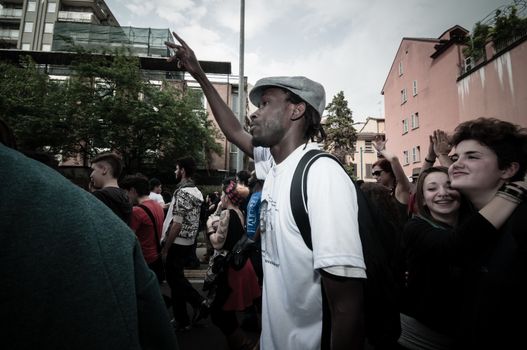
(155, 191)
(289, 113)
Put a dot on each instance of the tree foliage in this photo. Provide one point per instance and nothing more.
(105, 104)
(476, 43)
(341, 135)
(508, 26)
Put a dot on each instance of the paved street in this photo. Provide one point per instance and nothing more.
(205, 335)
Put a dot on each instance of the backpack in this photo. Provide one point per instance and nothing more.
(381, 289)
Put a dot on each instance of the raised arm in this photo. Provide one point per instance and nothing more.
(430, 156)
(228, 122)
(402, 189)
(442, 147)
(498, 210)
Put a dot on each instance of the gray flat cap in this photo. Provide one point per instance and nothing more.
(308, 90)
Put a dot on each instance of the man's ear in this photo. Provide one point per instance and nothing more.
(104, 168)
(298, 111)
(510, 171)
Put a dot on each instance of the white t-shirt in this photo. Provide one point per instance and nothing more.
(157, 197)
(263, 161)
(292, 300)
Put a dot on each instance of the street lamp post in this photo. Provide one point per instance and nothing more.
(241, 82)
(361, 173)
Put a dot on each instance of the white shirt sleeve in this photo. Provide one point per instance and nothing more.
(333, 216)
(263, 161)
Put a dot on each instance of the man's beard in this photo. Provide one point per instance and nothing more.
(178, 179)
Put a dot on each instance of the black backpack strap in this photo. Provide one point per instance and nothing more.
(298, 193)
(151, 216)
(298, 197)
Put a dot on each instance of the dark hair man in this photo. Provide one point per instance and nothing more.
(146, 222)
(179, 232)
(106, 169)
(289, 113)
(155, 191)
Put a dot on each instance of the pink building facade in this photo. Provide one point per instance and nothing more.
(429, 87)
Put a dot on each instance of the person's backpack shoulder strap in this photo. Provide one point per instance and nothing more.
(151, 216)
(298, 199)
(298, 193)
(382, 311)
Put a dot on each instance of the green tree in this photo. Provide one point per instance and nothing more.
(105, 104)
(29, 102)
(476, 42)
(341, 135)
(507, 28)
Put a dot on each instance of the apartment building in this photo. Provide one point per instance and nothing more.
(228, 88)
(51, 25)
(30, 24)
(432, 85)
(365, 154)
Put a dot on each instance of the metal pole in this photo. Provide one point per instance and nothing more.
(361, 174)
(241, 82)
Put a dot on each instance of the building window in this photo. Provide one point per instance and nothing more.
(401, 68)
(415, 120)
(414, 88)
(368, 147)
(46, 47)
(26, 47)
(48, 28)
(403, 96)
(31, 6)
(405, 125)
(28, 27)
(52, 7)
(406, 159)
(416, 154)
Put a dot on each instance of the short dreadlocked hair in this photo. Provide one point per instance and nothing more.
(312, 128)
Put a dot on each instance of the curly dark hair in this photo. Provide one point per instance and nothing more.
(188, 164)
(138, 182)
(312, 128)
(507, 140)
(385, 165)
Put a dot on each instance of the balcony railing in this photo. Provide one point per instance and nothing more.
(69, 16)
(10, 13)
(9, 34)
(503, 44)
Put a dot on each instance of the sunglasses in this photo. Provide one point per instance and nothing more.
(377, 173)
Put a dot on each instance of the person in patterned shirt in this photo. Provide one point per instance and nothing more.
(179, 232)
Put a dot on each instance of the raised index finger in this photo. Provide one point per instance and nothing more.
(181, 41)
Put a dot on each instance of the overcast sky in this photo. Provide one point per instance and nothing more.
(346, 45)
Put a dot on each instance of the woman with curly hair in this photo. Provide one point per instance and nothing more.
(490, 161)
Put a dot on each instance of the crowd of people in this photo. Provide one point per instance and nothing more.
(75, 276)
